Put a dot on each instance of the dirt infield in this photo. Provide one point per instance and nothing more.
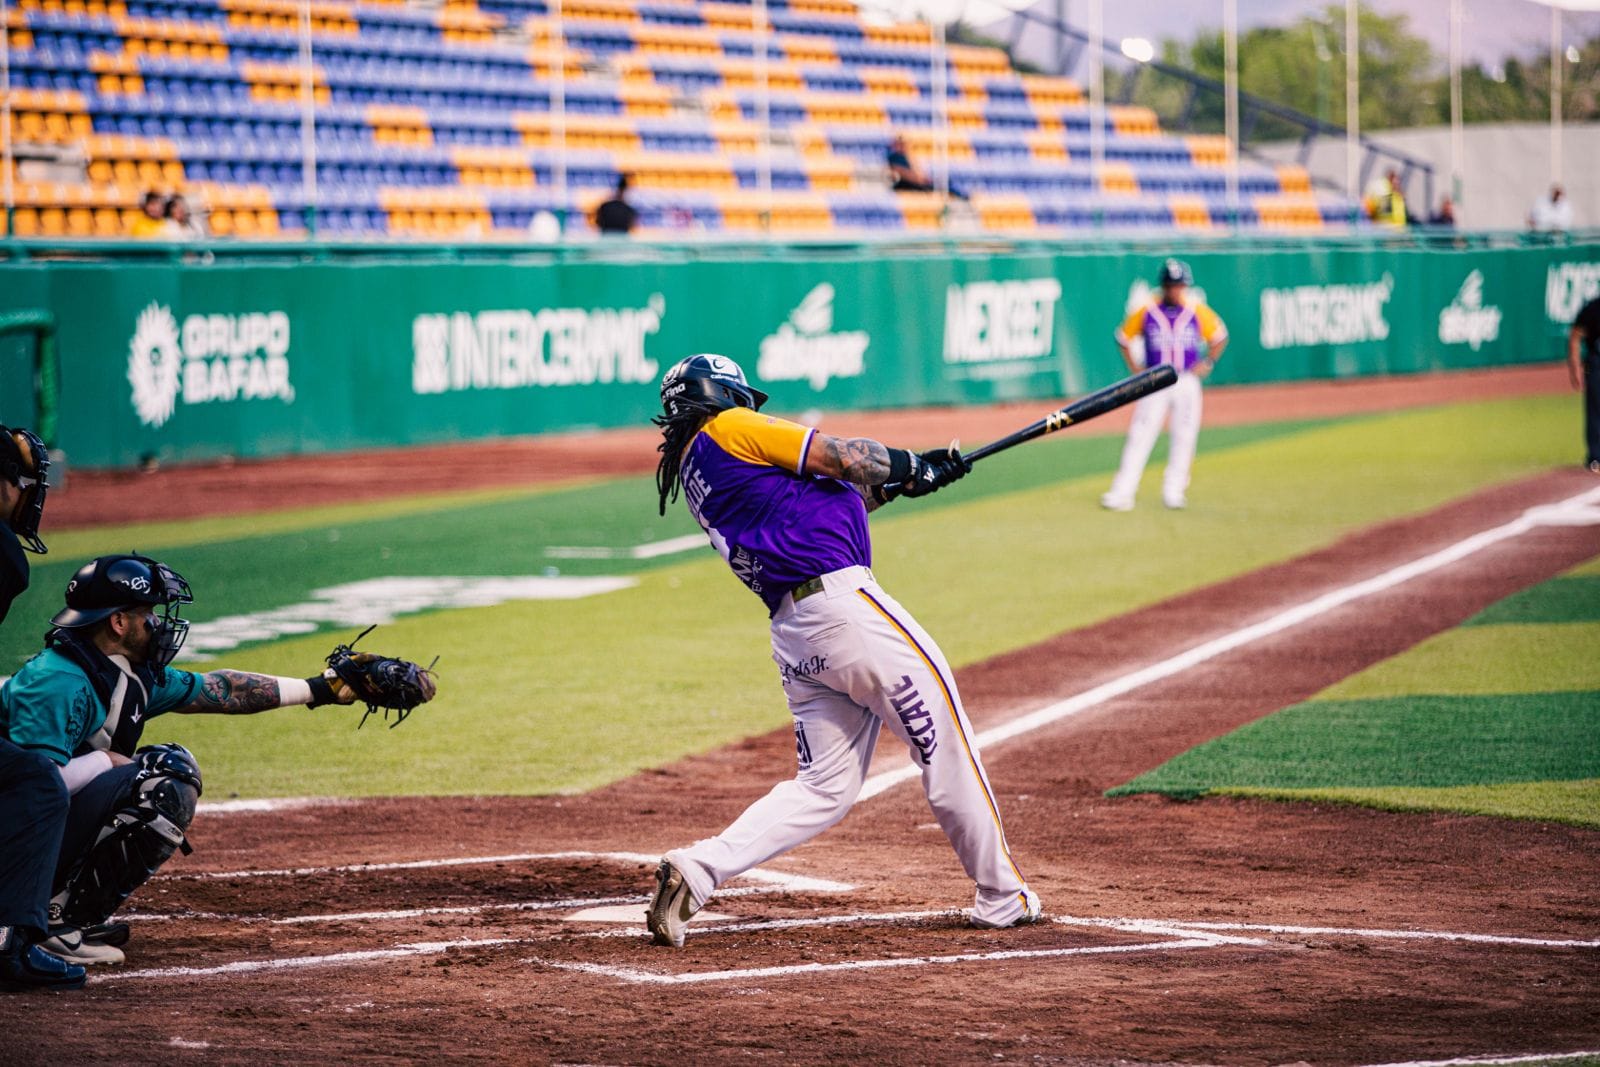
(96, 498)
(1218, 931)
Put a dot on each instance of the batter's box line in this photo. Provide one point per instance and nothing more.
(642, 977)
(401, 914)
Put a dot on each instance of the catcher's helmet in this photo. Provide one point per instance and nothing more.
(24, 463)
(1176, 272)
(115, 583)
(706, 383)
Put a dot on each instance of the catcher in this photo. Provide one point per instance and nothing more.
(83, 702)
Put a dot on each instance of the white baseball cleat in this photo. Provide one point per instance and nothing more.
(68, 943)
(1032, 912)
(671, 908)
(1176, 503)
(1112, 502)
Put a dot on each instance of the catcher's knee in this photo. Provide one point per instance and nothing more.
(136, 840)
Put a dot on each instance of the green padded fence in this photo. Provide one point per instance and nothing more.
(184, 360)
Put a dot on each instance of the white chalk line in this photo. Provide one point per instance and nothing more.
(337, 959)
(1565, 512)
(1189, 927)
(443, 909)
(649, 550)
(642, 977)
(266, 804)
(1530, 1058)
(798, 883)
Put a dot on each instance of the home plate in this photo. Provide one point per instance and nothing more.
(633, 914)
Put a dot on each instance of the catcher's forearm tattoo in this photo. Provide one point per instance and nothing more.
(857, 459)
(236, 693)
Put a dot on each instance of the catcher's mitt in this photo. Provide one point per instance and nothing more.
(378, 681)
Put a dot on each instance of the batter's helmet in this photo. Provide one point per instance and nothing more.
(705, 384)
(24, 463)
(115, 583)
(1176, 272)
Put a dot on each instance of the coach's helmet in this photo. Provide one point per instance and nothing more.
(24, 463)
(705, 384)
(1175, 272)
(116, 583)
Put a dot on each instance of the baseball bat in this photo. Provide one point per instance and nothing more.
(1084, 408)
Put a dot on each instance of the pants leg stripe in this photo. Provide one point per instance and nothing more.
(955, 718)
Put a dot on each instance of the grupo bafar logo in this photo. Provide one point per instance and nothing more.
(209, 358)
(155, 364)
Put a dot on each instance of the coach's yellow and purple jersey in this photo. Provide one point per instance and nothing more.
(1174, 334)
(777, 526)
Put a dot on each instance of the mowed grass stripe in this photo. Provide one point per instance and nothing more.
(1479, 660)
(1408, 742)
(1568, 599)
(1576, 802)
(544, 697)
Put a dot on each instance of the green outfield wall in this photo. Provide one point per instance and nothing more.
(189, 361)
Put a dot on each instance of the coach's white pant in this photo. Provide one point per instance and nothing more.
(853, 661)
(1183, 401)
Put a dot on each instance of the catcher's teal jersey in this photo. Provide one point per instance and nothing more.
(49, 704)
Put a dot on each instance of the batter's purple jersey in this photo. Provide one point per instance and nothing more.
(745, 482)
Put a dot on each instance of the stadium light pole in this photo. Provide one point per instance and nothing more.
(763, 35)
(1230, 41)
(1352, 99)
(308, 124)
(1457, 141)
(558, 112)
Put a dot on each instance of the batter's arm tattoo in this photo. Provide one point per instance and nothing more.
(859, 460)
(234, 693)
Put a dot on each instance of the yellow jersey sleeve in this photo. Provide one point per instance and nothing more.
(756, 438)
(1211, 325)
(1133, 325)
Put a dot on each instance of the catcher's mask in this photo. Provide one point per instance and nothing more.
(116, 583)
(24, 463)
(705, 384)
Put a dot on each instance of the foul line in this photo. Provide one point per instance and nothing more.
(1532, 1058)
(1186, 927)
(420, 948)
(1573, 510)
(650, 550)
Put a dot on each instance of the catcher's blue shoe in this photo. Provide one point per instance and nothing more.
(24, 967)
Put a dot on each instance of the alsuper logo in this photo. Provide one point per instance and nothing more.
(1325, 314)
(989, 322)
(1467, 319)
(806, 348)
(1567, 287)
(518, 348)
(210, 358)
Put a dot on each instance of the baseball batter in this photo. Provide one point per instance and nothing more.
(1188, 335)
(787, 506)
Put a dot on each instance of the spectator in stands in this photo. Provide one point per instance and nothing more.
(617, 216)
(1387, 205)
(1552, 214)
(906, 177)
(1445, 217)
(152, 220)
(181, 224)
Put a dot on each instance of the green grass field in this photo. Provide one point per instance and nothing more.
(1500, 716)
(541, 696)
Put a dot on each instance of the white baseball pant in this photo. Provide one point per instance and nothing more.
(853, 661)
(1183, 402)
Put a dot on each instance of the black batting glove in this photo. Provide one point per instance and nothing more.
(935, 469)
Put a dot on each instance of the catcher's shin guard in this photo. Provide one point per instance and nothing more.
(139, 837)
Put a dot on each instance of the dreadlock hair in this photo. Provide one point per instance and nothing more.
(676, 433)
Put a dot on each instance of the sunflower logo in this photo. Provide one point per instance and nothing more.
(154, 362)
